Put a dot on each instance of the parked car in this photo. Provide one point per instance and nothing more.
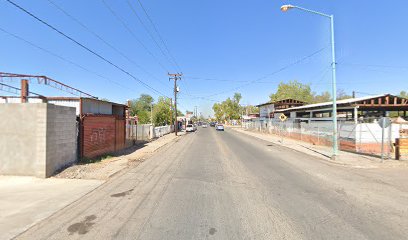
(190, 128)
(219, 127)
(212, 124)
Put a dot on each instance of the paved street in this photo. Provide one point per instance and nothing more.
(225, 185)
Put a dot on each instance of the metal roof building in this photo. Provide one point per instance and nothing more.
(82, 105)
(349, 109)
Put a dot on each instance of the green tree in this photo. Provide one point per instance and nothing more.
(218, 111)
(294, 90)
(250, 109)
(162, 112)
(229, 109)
(403, 94)
(323, 97)
(179, 113)
(141, 107)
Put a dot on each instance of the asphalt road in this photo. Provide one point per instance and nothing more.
(224, 185)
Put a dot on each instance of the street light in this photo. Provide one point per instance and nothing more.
(287, 7)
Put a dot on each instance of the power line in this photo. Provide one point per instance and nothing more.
(148, 32)
(84, 47)
(132, 33)
(373, 65)
(271, 74)
(217, 79)
(322, 75)
(101, 39)
(158, 34)
(65, 60)
(198, 97)
(61, 58)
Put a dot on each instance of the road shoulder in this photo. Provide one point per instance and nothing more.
(107, 168)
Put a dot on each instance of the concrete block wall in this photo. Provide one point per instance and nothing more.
(61, 138)
(36, 138)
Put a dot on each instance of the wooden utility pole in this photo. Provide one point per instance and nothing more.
(175, 77)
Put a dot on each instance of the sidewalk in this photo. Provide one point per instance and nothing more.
(348, 159)
(25, 201)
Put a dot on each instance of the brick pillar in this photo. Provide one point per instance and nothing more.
(24, 90)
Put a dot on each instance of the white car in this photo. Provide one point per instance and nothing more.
(219, 127)
(190, 128)
(204, 125)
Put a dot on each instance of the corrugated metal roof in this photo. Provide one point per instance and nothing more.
(282, 101)
(329, 104)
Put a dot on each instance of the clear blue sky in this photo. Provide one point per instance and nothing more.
(231, 40)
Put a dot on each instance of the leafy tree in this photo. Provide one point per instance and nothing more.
(294, 90)
(250, 109)
(162, 112)
(141, 107)
(403, 94)
(218, 111)
(179, 113)
(228, 109)
(323, 97)
(237, 97)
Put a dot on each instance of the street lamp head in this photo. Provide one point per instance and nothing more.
(285, 8)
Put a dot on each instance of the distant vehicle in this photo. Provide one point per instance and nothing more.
(204, 125)
(212, 124)
(219, 127)
(190, 128)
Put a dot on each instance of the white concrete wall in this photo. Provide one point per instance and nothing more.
(36, 138)
(66, 103)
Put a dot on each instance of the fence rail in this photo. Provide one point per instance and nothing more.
(145, 132)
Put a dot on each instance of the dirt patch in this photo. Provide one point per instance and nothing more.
(107, 167)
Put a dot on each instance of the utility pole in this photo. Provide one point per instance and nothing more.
(175, 77)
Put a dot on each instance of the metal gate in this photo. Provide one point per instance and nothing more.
(101, 134)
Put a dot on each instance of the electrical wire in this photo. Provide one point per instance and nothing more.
(158, 33)
(373, 65)
(271, 74)
(61, 58)
(102, 40)
(85, 47)
(68, 61)
(133, 10)
(130, 31)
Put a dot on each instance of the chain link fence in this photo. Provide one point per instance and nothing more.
(362, 137)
